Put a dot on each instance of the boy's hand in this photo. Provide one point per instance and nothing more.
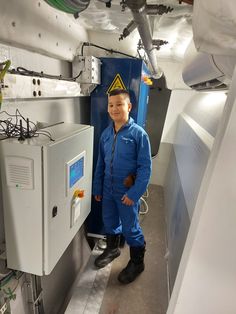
(98, 198)
(127, 201)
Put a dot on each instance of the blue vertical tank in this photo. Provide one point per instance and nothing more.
(127, 73)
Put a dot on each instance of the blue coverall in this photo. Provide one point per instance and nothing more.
(121, 154)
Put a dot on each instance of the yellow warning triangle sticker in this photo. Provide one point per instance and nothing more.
(116, 83)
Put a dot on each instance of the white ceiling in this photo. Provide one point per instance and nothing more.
(174, 27)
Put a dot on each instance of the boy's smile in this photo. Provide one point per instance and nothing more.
(119, 107)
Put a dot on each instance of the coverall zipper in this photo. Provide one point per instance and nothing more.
(112, 157)
(113, 151)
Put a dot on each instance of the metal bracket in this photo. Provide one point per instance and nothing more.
(34, 294)
(154, 9)
(128, 30)
(3, 308)
(158, 43)
(90, 69)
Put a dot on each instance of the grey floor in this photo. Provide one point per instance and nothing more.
(148, 294)
(98, 290)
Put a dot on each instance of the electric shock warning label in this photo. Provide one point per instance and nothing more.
(116, 83)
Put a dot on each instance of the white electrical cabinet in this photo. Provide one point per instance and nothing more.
(46, 193)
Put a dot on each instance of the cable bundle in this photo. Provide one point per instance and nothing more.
(13, 127)
(69, 6)
(26, 72)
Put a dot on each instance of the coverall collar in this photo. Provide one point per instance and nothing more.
(127, 124)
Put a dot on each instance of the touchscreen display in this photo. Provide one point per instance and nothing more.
(76, 171)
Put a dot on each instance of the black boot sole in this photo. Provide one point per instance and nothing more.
(103, 262)
(125, 277)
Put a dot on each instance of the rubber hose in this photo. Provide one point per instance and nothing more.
(57, 4)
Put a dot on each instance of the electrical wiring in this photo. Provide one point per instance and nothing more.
(146, 194)
(6, 279)
(4, 275)
(5, 69)
(49, 136)
(143, 207)
(74, 78)
(6, 282)
(26, 72)
(87, 44)
(6, 65)
(143, 204)
(9, 128)
(13, 127)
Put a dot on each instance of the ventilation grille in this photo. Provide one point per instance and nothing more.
(19, 172)
(214, 84)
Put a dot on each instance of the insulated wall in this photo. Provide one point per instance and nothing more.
(206, 279)
(193, 140)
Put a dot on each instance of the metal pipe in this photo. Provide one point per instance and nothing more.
(140, 18)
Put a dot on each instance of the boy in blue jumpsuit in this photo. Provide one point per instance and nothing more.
(121, 177)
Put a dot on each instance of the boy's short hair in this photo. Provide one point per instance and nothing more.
(119, 91)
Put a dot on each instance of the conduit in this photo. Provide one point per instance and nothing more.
(140, 18)
(69, 6)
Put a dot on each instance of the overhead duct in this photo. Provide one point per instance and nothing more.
(138, 10)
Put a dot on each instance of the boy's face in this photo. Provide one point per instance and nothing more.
(119, 107)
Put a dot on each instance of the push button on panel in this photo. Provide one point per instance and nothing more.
(79, 193)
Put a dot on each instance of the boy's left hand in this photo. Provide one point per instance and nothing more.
(127, 201)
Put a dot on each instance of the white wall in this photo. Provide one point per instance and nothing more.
(185, 149)
(197, 126)
(178, 100)
(206, 281)
(191, 125)
(36, 26)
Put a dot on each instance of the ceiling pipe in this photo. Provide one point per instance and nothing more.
(138, 10)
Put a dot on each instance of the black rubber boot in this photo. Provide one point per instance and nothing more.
(135, 265)
(111, 252)
(122, 241)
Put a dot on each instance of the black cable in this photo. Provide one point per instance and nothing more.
(26, 72)
(17, 111)
(22, 137)
(11, 129)
(49, 136)
(82, 49)
(103, 48)
(78, 75)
